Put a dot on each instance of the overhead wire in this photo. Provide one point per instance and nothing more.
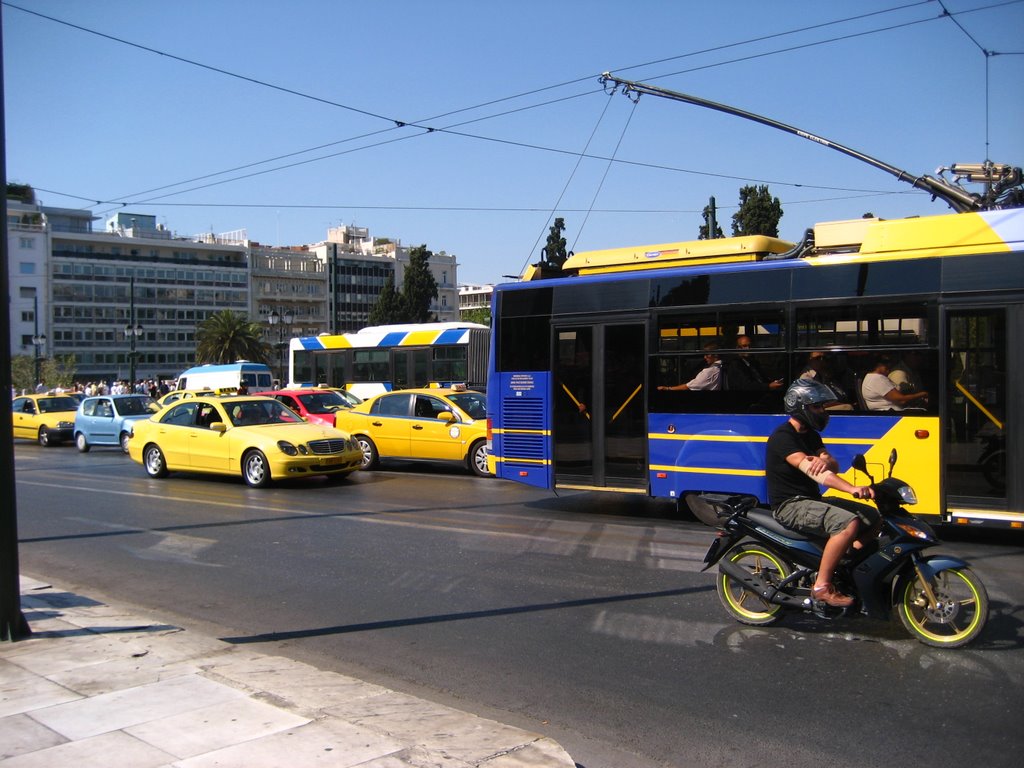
(604, 176)
(572, 174)
(398, 123)
(946, 13)
(425, 129)
(395, 122)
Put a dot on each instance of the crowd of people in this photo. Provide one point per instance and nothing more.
(153, 387)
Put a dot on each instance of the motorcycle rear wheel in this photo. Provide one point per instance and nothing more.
(960, 613)
(743, 605)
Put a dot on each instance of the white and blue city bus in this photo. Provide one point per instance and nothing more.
(387, 357)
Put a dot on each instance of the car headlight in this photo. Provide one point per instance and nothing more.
(65, 424)
(287, 448)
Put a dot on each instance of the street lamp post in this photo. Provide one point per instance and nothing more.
(283, 323)
(132, 331)
(38, 339)
(39, 342)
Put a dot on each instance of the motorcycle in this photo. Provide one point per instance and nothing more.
(766, 569)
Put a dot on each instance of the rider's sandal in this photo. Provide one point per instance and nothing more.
(827, 594)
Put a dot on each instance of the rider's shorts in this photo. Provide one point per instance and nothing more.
(823, 518)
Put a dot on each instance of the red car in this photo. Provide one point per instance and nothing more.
(315, 404)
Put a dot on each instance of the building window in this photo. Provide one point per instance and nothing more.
(27, 243)
(27, 268)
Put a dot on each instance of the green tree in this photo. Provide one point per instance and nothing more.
(57, 371)
(390, 307)
(23, 373)
(480, 315)
(554, 252)
(419, 287)
(227, 336)
(759, 213)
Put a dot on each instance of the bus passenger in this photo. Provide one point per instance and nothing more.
(881, 394)
(819, 368)
(709, 378)
(905, 374)
(744, 372)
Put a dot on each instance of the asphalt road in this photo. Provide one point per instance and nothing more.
(584, 617)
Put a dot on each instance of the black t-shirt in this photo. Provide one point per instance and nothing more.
(784, 480)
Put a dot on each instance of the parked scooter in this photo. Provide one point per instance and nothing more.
(766, 569)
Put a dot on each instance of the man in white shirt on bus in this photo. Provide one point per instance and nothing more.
(881, 394)
(709, 378)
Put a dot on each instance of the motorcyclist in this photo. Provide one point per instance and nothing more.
(797, 464)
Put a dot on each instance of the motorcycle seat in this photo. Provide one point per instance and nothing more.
(766, 519)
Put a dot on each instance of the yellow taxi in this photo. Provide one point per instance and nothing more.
(257, 437)
(49, 419)
(179, 394)
(442, 424)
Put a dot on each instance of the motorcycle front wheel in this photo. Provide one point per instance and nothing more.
(958, 616)
(745, 606)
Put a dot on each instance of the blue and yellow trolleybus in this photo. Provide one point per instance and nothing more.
(576, 361)
(386, 357)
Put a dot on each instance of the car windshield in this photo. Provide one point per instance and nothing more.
(324, 402)
(134, 406)
(263, 410)
(352, 399)
(51, 404)
(473, 403)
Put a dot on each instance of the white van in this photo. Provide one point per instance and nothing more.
(255, 376)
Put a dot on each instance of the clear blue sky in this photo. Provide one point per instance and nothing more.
(94, 122)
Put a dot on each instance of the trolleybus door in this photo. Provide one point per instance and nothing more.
(599, 433)
(983, 413)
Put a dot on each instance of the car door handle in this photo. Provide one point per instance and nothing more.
(377, 423)
(417, 426)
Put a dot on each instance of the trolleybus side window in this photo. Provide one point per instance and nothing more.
(749, 347)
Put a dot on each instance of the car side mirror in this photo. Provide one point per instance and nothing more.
(218, 426)
(447, 416)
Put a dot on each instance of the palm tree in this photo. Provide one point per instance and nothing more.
(228, 336)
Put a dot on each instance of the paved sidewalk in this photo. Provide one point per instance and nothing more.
(97, 686)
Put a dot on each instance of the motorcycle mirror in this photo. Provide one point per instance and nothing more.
(892, 461)
(861, 465)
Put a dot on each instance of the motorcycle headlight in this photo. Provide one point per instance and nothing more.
(287, 448)
(907, 494)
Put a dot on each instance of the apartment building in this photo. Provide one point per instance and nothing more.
(134, 292)
(361, 266)
(474, 297)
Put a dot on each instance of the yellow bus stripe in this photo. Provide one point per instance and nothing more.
(755, 439)
(708, 470)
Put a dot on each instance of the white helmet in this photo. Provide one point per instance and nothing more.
(805, 392)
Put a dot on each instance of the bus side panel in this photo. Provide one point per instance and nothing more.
(519, 408)
(725, 452)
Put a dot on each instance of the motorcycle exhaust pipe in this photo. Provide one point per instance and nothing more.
(758, 586)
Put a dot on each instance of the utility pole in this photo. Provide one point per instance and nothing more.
(12, 622)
